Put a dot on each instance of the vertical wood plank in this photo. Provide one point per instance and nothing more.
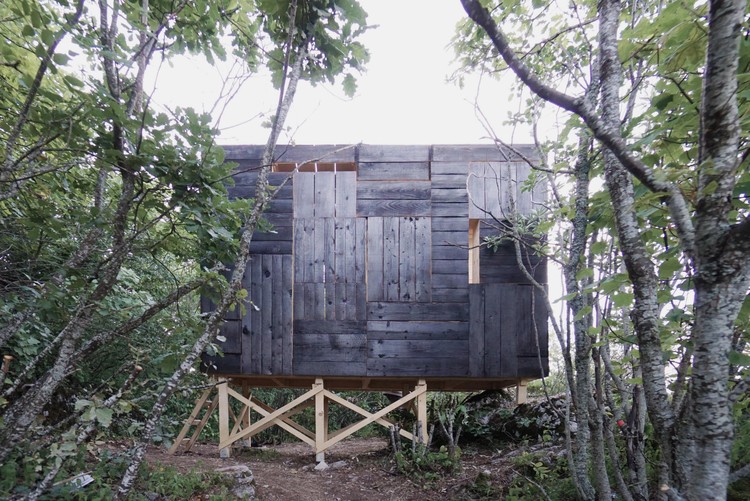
(476, 330)
(475, 187)
(346, 194)
(325, 194)
(494, 186)
(509, 321)
(267, 309)
(493, 330)
(247, 348)
(277, 325)
(339, 251)
(330, 250)
(375, 289)
(349, 251)
(257, 317)
(319, 249)
(360, 235)
(304, 195)
(407, 278)
(341, 301)
(523, 197)
(298, 250)
(319, 301)
(286, 314)
(330, 292)
(423, 259)
(391, 258)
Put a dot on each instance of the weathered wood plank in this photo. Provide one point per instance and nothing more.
(453, 152)
(305, 327)
(329, 251)
(450, 266)
(280, 207)
(450, 209)
(286, 313)
(454, 181)
(256, 315)
(360, 238)
(423, 260)
(450, 252)
(232, 332)
(507, 301)
(271, 247)
(449, 195)
(325, 194)
(277, 293)
(407, 279)
(304, 195)
(415, 348)
(529, 367)
(330, 291)
(393, 190)
(375, 246)
(346, 194)
(457, 366)
(390, 258)
(393, 171)
(454, 168)
(450, 224)
(328, 346)
(394, 153)
(476, 191)
(476, 330)
(367, 208)
(378, 329)
(327, 368)
(449, 281)
(440, 237)
(457, 312)
(450, 295)
(320, 152)
(496, 188)
(318, 236)
(493, 330)
(267, 308)
(524, 203)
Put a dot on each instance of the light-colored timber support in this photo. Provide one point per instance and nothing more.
(240, 427)
(521, 392)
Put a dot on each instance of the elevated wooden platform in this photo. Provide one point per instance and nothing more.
(239, 426)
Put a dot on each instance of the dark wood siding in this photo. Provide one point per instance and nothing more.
(366, 273)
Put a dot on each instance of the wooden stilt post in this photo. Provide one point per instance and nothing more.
(521, 392)
(421, 405)
(247, 419)
(224, 417)
(321, 423)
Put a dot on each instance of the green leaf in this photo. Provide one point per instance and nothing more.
(104, 416)
(350, 85)
(737, 358)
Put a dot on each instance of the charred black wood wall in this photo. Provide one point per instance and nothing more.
(366, 273)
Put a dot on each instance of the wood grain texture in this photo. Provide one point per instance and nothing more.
(368, 208)
(394, 153)
(393, 171)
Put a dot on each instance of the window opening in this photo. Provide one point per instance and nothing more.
(474, 242)
(315, 167)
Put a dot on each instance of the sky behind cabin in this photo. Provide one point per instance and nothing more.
(403, 97)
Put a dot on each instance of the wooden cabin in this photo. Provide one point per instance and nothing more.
(374, 278)
(374, 272)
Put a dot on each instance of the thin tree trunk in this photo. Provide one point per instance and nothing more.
(262, 198)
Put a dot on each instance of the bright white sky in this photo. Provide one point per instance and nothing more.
(403, 98)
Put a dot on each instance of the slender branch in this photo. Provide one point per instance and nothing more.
(584, 109)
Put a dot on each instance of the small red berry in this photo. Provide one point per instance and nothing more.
(620, 423)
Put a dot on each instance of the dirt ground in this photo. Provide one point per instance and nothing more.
(364, 472)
